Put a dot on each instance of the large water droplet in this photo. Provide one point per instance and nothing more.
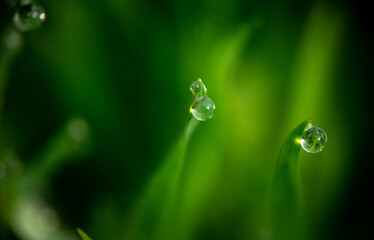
(314, 140)
(203, 108)
(29, 17)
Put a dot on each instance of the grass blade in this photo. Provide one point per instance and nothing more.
(286, 202)
(158, 203)
(83, 234)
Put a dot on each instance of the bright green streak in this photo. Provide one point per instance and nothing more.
(158, 205)
(83, 234)
(286, 203)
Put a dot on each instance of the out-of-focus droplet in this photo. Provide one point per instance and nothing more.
(203, 108)
(78, 129)
(29, 17)
(13, 39)
(314, 140)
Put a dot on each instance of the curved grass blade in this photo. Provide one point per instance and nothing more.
(24, 191)
(71, 141)
(158, 203)
(83, 234)
(286, 202)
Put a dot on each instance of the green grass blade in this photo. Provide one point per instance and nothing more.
(158, 203)
(68, 143)
(83, 234)
(286, 202)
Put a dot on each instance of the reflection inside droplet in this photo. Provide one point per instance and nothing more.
(313, 140)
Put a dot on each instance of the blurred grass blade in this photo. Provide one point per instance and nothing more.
(286, 203)
(83, 234)
(158, 204)
(71, 141)
(11, 43)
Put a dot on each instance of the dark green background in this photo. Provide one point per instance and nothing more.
(126, 66)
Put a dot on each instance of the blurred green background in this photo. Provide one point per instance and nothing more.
(94, 102)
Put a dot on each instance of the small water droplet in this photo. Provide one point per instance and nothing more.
(198, 88)
(29, 17)
(314, 140)
(195, 87)
(203, 108)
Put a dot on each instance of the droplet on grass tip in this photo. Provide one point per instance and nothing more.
(29, 17)
(203, 108)
(313, 140)
(198, 88)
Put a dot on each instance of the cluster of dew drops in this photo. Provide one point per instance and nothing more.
(29, 14)
(313, 140)
(202, 107)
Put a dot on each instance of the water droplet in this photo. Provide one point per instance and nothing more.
(29, 17)
(314, 140)
(195, 87)
(198, 88)
(203, 108)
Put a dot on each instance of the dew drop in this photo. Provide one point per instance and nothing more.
(198, 88)
(195, 87)
(29, 17)
(314, 140)
(203, 108)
